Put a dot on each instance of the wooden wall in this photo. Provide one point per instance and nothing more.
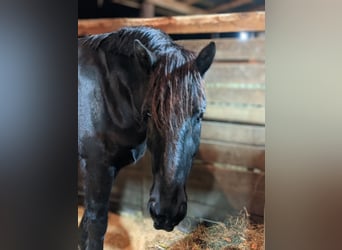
(232, 146)
(228, 173)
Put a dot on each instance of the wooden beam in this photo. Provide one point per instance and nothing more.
(128, 3)
(214, 23)
(191, 1)
(147, 9)
(177, 7)
(230, 5)
(260, 7)
(100, 3)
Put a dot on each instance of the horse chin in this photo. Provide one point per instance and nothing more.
(167, 228)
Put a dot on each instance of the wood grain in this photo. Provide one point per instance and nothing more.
(246, 73)
(177, 6)
(227, 189)
(230, 5)
(213, 192)
(229, 49)
(242, 96)
(232, 153)
(235, 113)
(233, 133)
(190, 24)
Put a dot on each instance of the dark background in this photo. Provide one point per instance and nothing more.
(108, 8)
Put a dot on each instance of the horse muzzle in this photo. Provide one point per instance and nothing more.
(164, 225)
(165, 220)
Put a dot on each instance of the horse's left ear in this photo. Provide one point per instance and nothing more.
(205, 58)
(145, 57)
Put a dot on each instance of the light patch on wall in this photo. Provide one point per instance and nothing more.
(243, 36)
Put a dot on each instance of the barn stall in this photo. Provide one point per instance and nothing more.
(228, 175)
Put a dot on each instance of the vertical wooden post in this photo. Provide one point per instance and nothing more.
(147, 9)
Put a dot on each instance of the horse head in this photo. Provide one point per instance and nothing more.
(173, 111)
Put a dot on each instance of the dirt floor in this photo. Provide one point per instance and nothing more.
(132, 231)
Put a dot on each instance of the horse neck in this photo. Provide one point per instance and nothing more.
(125, 93)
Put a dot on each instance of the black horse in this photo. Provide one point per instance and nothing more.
(137, 89)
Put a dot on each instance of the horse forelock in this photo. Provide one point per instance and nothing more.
(176, 87)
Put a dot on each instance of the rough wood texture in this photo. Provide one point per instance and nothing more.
(230, 5)
(233, 133)
(246, 73)
(213, 192)
(147, 9)
(177, 6)
(232, 153)
(229, 95)
(235, 113)
(214, 23)
(226, 190)
(230, 49)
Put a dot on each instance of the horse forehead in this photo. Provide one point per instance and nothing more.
(174, 149)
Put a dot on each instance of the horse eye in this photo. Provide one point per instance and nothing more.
(147, 114)
(200, 116)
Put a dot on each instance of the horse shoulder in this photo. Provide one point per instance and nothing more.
(90, 98)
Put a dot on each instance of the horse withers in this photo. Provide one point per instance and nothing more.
(137, 89)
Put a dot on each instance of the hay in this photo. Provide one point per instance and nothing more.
(135, 232)
(235, 233)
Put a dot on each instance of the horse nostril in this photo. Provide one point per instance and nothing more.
(183, 207)
(153, 208)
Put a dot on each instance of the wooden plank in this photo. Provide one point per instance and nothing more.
(243, 190)
(232, 153)
(217, 212)
(230, 49)
(190, 24)
(207, 177)
(235, 113)
(147, 9)
(128, 3)
(177, 7)
(209, 188)
(233, 133)
(126, 191)
(233, 190)
(241, 180)
(224, 72)
(191, 1)
(242, 96)
(230, 5)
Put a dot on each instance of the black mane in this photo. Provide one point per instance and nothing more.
(176, 86)
(121, 41)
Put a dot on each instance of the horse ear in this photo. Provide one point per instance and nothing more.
(205, 58)
(145, 57)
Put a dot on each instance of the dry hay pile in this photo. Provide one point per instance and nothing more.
(236, 233)
(135, 232)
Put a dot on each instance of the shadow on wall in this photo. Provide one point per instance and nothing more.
(213, 192)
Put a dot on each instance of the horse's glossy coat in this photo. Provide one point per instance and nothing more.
(137, 89)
